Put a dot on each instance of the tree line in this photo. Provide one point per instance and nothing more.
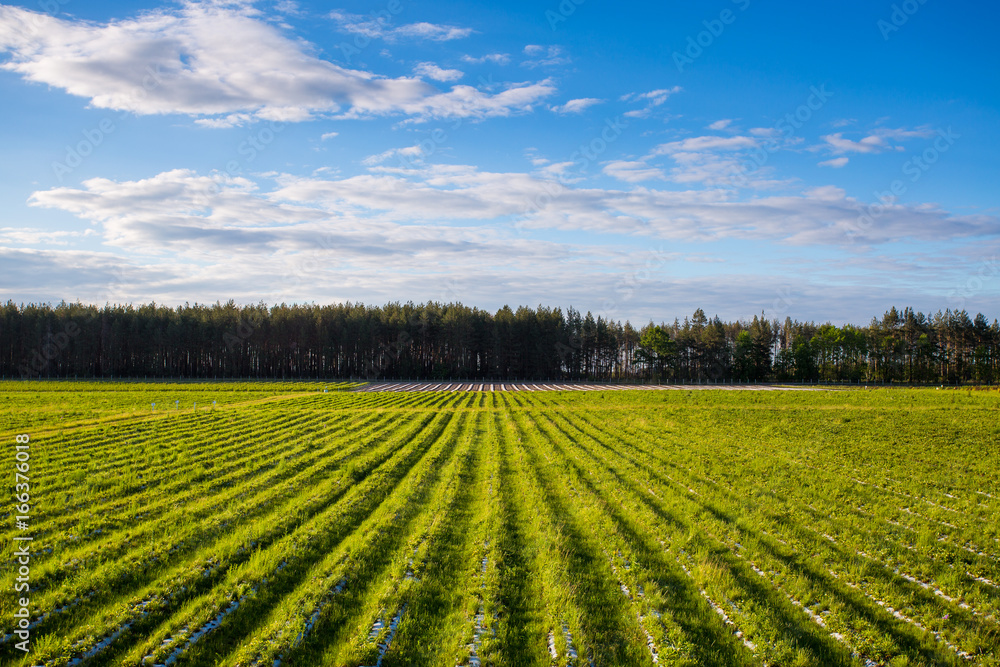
(453, 341)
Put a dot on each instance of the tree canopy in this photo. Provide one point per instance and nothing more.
(451, 341)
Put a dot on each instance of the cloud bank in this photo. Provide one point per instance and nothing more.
(222, 63)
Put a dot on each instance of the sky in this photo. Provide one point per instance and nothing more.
(811, 160)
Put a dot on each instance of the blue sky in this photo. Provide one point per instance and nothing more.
(738, 156)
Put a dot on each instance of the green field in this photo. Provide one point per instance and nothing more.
(288, 523)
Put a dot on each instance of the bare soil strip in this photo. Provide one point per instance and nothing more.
(569, 386)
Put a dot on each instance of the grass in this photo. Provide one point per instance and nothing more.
(307, 527)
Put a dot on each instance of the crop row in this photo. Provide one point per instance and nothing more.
(509, 528)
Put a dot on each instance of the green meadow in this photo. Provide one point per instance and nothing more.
(306, 524)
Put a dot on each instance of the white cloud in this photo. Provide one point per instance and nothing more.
(231, 120)
(408, 154)
(652, 99)
(633, 171)
(879, 141)
(435, 33)
(35, 236)
(95, 277)
(288, 7)
(432, 71)
(715, 170)
(719, 161)
(551, 274)
(658, 97)
(706, 143)
(902, 134)
(402, 233)
(721, 124)
(375, 28)
(767, 133)
(227, 67)
(637, 113)
(544, 57)
(498, 58)
(329, 135)
(559, 171)
(194, 233)
(174, 208)
(470, 102)
(181, 210)
(576, 106)
(837, 144)
(836, 163)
